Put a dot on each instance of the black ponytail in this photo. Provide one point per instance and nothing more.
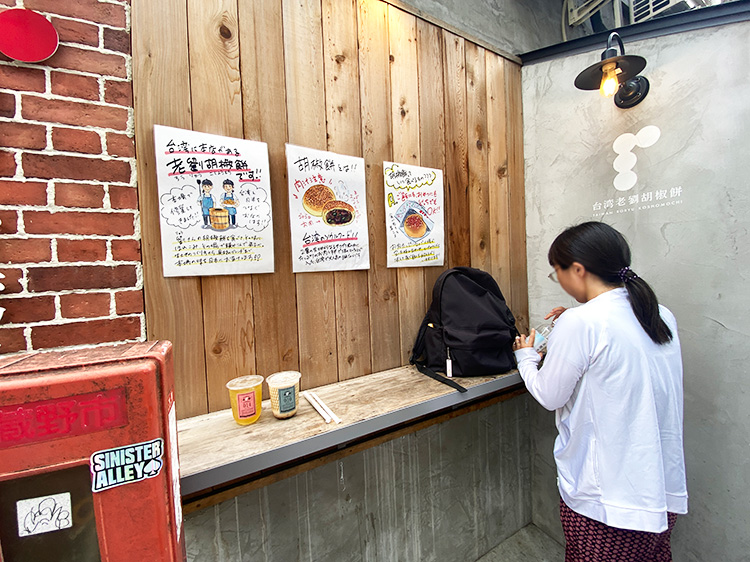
(604, 252)
(646, 308)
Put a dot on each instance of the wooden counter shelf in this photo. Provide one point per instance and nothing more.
(220, 459)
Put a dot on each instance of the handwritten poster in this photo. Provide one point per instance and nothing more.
(327, 210)
(214, 204)
(414, 215)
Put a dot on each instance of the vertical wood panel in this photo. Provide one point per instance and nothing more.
(519, 281)
(497, 164)
(402, 36)
(306, 110)
(431, 117)
(341, 76)
(344, 125)
(215, 66)
(264, 103)
(217, 108)
(161, 88)
(476, 120)
(374, 80)
(456, 159)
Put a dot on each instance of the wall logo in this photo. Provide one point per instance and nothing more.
(625, 161)
(125, 465)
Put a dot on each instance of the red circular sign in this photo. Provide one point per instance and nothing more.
(26, 35)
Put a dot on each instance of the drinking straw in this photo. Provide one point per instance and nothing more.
(317, 407)
(326, 408)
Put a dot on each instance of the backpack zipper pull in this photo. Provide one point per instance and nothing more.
(448, 363)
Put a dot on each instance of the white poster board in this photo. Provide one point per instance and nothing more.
(414, 213)
(214, 204)
(327, 210)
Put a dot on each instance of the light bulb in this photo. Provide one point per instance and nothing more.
(610, 83)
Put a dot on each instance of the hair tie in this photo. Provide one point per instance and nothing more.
(626, 274)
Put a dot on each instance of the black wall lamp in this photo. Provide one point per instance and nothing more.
(616, 75)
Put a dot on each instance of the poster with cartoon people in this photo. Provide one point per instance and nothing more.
(327, 210)
(214, 204)
(414, 215)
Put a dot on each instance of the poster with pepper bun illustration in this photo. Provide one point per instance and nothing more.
(327, 210)
(214, 204)
(414, 215)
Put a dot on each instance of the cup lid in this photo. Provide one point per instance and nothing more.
(284, 378)
(248, 381)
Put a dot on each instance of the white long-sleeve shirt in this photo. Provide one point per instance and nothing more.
(617, 398)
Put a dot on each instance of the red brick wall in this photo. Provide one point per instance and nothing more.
(69, 232)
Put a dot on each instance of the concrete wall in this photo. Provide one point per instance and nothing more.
(509, 25)
(449, 493)
(687, 218)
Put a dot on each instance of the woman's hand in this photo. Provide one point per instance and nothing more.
(524, 341)
(555, 313)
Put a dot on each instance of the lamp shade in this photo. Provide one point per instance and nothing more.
(628, 66)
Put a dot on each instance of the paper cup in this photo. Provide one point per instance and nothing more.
(284, 390)
(246, 397)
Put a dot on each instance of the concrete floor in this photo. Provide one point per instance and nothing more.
(527, 545)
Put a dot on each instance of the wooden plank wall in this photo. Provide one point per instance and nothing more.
(358, 77)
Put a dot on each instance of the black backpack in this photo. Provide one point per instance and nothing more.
(468, 329)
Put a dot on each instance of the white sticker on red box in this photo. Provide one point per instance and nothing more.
(126, 465)
(44, 514)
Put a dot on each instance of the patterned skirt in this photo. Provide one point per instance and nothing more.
(587, 540)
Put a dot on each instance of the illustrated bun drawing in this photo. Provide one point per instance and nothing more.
(316, 197)
(337, 213)
(414, 226)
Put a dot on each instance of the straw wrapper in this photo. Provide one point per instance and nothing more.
(317, 407)
(326, 408)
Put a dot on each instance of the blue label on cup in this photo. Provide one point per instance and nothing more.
(287, 399)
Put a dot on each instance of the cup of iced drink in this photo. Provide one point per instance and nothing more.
(284, 390)
(542, 334)
(246, 396)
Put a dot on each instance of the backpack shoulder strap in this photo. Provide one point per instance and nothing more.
(437, 290)
(424, 369)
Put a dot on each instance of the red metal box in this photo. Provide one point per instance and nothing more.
(88, 456)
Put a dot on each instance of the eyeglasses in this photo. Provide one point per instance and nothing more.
(553, 276)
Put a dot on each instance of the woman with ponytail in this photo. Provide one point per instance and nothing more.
(613, 376)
